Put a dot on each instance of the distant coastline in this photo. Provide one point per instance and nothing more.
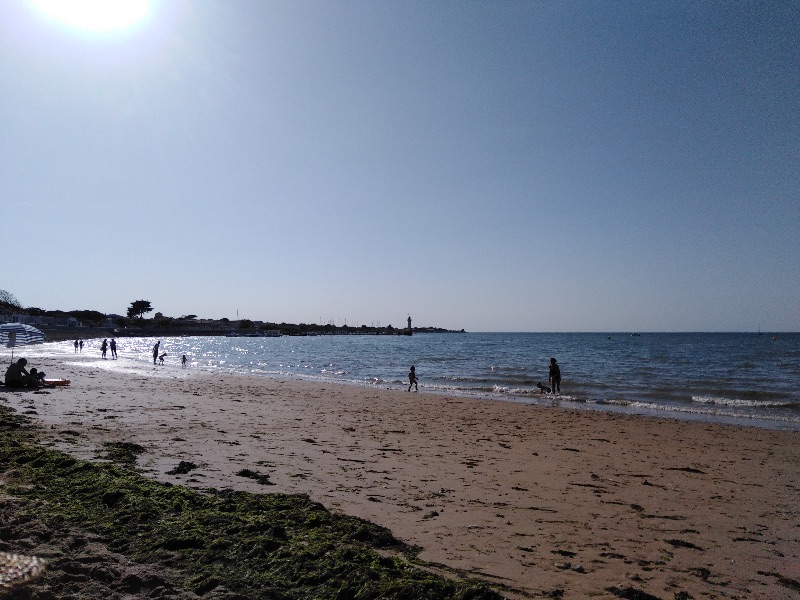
(57, 333)
(60, 325)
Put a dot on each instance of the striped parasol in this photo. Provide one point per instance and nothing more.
(19, 334)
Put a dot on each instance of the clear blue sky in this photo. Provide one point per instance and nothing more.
(496, 166)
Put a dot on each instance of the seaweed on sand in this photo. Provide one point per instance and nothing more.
(261, 478)
(272, 546)
(124, 453)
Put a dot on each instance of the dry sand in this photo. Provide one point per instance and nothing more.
(538, 499)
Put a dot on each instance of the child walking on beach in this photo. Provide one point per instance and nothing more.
(412, 380)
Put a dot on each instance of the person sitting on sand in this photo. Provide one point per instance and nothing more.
(35, 379)
(16, 374)
(18, 377)
(412, 380)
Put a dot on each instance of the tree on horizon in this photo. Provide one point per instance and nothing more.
(9, 301)
(138, 308)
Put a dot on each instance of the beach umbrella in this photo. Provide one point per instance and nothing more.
(19, 334)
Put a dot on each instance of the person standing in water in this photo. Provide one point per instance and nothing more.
(113, 346)
(555, 376)
(412, 380)
(155, 351)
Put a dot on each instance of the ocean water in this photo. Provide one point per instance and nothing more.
(737, 378)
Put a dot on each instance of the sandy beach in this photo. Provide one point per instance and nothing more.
(536, 499)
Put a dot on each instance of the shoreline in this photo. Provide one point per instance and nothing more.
(771, 404)
(532, 497)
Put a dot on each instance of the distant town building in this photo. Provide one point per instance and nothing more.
(43, 321)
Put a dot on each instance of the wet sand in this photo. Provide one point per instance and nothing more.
(536, 499)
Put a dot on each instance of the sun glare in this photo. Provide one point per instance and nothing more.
(95, 15)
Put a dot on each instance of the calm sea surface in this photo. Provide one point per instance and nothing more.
(747, 379)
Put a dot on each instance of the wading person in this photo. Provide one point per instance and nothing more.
(555, 376)
(412, 380)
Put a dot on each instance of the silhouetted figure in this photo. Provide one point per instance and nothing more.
(555, 376)
(155, 351)
(412, 380)
(76, 345)
(161, 358)
(35, 379)
(104, 348)
(113, 346)
(16, 374)
(80, 344)
(183, 360)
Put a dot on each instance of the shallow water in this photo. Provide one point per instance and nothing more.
(747, 378)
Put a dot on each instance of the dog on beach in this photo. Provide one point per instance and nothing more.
(161, 358)
(543, 389)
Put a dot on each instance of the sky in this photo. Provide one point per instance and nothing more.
(486, 165)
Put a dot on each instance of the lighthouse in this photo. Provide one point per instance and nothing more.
(408, 329)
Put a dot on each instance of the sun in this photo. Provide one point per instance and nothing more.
(95, 15)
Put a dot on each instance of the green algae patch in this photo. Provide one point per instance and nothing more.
(183, 468)
(237, 544)
(124, 453)
(261, 478)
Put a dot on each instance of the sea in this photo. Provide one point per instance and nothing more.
(749, 379)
